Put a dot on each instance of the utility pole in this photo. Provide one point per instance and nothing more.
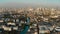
(37, 29)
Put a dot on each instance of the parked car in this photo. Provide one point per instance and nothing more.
(1, 21)
(51, 28)
(57, 29)
(43, 30)
(6, 28)
(10, 23)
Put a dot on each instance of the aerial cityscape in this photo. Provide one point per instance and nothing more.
(29, 17)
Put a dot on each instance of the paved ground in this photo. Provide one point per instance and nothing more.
(55, 33)
(32, 31)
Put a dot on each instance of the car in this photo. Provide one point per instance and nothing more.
(10, 23)
(43, 30)
(57, 29)
(1, 21)
(15, 28)
(6, 28)
(51, 28)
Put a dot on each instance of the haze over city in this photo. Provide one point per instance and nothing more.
(29, 3)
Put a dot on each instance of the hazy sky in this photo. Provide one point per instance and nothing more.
(18, 3)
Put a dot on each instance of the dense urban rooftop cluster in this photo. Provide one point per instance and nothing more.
(41, 11)
(36, 14)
